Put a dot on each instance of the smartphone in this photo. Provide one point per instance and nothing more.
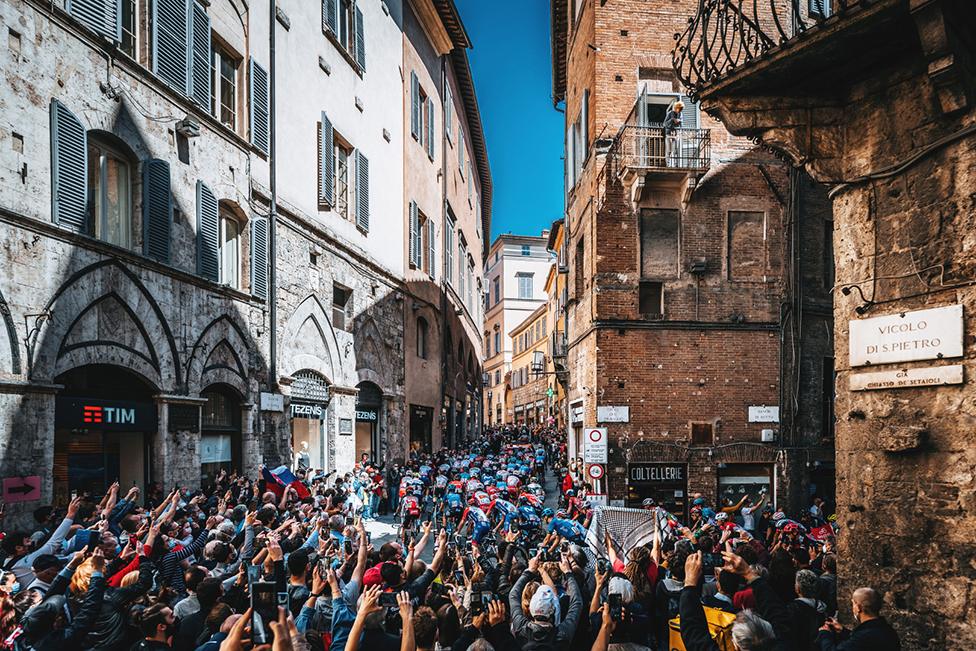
(348, 546)
(533, 551)
(369, 537)
(477, 603)
(74, 494)
(564, 546)
(603, 565)
(459, 577)
(388, 599)
(452, 546)
(253, 573)
(264, 610)
(616, 606)
(710, 559)
(349, 521)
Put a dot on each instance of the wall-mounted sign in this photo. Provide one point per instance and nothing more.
(21, 489)
(657, 473)
(907, 378)
(345, 426)
(908, 336)
(595, 445)
(272, 401)
(307, 410)
(85, 413)
(366, 414)
(612, 414)
(576, 414)
(595, 471)
(763, 414)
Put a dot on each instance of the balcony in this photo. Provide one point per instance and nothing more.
(647, 157)
(559, 349)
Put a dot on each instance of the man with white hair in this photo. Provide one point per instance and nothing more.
(765, 629)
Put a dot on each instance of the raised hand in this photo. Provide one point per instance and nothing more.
(406, 605)
(496, 612)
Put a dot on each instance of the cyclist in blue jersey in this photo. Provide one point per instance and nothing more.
(569, 529)
(480, 525)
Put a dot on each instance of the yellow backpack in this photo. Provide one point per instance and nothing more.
(719, 626)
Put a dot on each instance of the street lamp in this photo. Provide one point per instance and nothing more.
(484, 379)
(538, 362)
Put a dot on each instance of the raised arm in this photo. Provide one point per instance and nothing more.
(406, 614)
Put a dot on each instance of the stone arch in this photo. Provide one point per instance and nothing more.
(88, 317)
(309, 342)
(216, 358)
(9, 345)
(371, 362)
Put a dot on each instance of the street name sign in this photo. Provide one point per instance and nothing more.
(612, 414)
(908, 336)
(907, 378)
(764, 414)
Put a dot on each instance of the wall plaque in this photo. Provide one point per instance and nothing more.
(907, 378)
(924, 334)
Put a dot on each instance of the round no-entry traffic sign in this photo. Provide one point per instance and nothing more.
(595, 471)
(596, 435)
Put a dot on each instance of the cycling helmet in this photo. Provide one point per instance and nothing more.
(562, 514)
(547, 513)
(570, 493)
(523, 500)
(708, 513)
(721, 517)
(649, 501)
(699, 501)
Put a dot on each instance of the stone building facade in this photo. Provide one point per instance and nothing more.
(683, 270)
(162, 317)
(530, 404)
(884, 120)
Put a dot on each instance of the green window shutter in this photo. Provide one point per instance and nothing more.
(200, 58)
(208, 226)
(689, 116)
(449, 253)
(362, 191)
(360, 40)
(431, 128)
(69, 169)
(157, 209)
(260, 106)
(432, 248)
(415, 118)
(330, 18)
(327, 164)
(101, 16)
(413, 227)
(171, 42)
(259, 257)
(448, 112)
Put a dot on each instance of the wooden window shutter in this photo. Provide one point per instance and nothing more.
(330, 18)
(327, 162)
(415, 118)
(413, 226)
(171, 43)
(432, 248)
(260, 106)
(208, 226)
(431, 129)
(157, 209)
(200, 77)
(101, 16)
(360, 40)
(689, 116)
(448, 111)
(585, 124)
(69, 169)
(362, 191)
(259, 257)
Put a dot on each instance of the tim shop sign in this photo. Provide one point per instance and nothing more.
(907, 336)
(89, 413)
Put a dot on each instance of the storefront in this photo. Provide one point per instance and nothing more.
(665, 483)
(104, 423)
(369, 403)
(736, 480)
(308, 410)
(540, 412)
(519, 415)
(576, 420)
(220, 438)
(421, 426)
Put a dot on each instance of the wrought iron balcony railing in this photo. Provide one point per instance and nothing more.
(653, 148)
(559, 346)
(726, 34)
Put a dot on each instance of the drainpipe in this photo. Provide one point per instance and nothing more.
(273, 215)
(449, 418)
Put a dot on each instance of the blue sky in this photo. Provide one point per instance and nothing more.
(513, 79)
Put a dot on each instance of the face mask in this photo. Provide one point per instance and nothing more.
(171, 543)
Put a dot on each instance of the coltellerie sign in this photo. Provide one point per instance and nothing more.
(656, 472)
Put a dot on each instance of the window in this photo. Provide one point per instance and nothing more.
(747, 245)
(702, 433)
(461, 150)
(448, 112)
(659, 243)
(526, 249)
(498, 349)
(345, 28)
(470, 283)
(487, 345)
(462, 259)
(423, 235)
(110, 193)
(130, 28)
(651, 298)
(341, 307)
(820, 8)
(578, 274)
(223, 90)
(524, 285)
(230, 250)
(498, 377)
(497, 287)
(449, 250)
(343, 155)
(343, 24)
(422, 337)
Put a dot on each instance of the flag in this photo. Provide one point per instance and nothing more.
(628, 528)
(280, 478)
(820, 534)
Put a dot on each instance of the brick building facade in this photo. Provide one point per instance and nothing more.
(884, 119)
(684, 269)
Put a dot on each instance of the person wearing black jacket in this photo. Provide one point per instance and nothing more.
(872, 632)
(767, 628)
(47, 624)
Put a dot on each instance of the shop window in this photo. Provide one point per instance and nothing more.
(422, 332)
(702, 433)
(651, 298)
(230, 250)
(110, 192)
(747, 245)
(341, 307)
